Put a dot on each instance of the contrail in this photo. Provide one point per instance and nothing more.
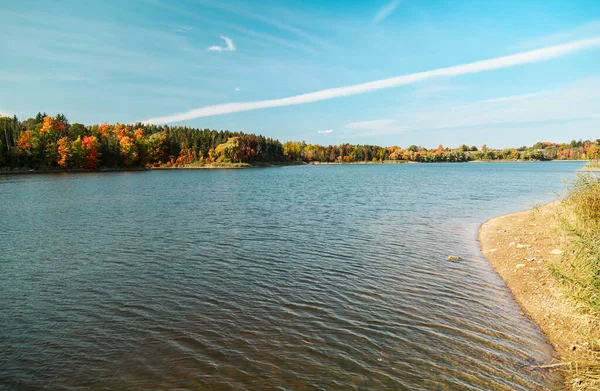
(512, 60)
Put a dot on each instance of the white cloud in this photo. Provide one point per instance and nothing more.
(261, 39)
(435, 91)
(386, 11)
(579, 32)
(326, 131)
(378, 126)
(273, 21)
(264, 39)
(229, 48)
(182, 28)
(370, 124)
(4, 113)
(574, 102)
(514, 97)
(237, 89)
(531, 56)
(18, 77)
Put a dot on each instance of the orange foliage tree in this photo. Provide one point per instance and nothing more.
(593, 152)
(185, 156)
(64, 151)
(89, 146)
(26, 140)
(47, 125)
(128, 150)
(138, 133)
(104, 130)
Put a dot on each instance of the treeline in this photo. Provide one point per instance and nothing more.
(346, 153)
(52, 142)
(48, 142)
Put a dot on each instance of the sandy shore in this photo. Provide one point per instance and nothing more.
(520, 246)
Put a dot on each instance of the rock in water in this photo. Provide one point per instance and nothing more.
(454, 258)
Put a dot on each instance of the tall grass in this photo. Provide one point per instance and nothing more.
(578, 270)
(592, 165)
(579, 267)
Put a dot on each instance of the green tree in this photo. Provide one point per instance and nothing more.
(78, 130)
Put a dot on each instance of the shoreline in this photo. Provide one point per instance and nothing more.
(525, 161)
(27, 171)
(364, 162)
(232, 166)
(520, 246)
(236, 166)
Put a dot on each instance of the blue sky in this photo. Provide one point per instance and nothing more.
(116, 61)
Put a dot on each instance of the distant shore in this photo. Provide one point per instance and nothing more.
(520, 246)
(523, 161)
(217, 166)
(315, 163)
(229, 166)
(25, 171)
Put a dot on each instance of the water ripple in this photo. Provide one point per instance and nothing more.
(298, 278)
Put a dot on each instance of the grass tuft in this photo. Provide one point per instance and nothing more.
(592, 165)
(579, 267)
(578, 271)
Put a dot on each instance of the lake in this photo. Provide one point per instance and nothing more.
(289, 278)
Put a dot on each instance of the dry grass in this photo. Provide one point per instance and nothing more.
(579, 223)
(592, 165)
(578, 271)
(584, 373)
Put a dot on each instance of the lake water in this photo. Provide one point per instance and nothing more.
(291, 278)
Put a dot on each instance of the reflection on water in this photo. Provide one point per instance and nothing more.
(294, 278)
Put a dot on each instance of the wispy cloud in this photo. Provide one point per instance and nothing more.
(22, 77)
(236, 89)
(261, 38)
(370, 124)
(229, 48)
(513, 98)
(182, 28)
(586, 30)
(94, 49)
(435, 91)
(326, 131)
(531, 56)
(386, 10)
(575, 102)
(378, 126)
(267, 20)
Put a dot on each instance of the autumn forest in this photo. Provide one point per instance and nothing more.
(49, 142)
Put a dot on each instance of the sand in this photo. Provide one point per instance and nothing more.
(520, 246)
